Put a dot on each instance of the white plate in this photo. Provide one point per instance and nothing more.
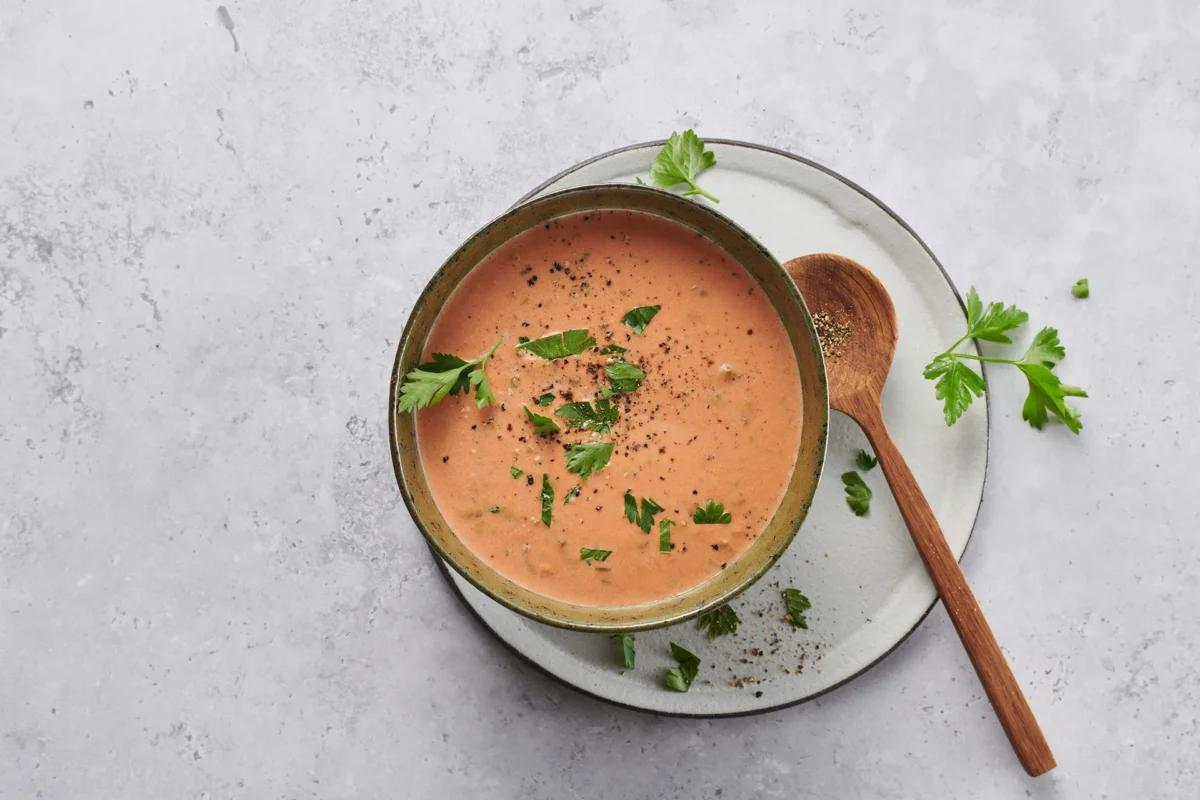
(867, 585)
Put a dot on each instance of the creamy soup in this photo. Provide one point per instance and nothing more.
(716, 416)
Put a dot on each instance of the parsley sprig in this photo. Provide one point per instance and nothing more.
(718, 621)
(429, 383)
(957, 384)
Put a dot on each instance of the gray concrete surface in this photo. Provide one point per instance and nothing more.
(208, 585)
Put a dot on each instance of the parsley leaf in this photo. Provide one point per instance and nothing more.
(645, 519)
(865, 461)
(590, 554)
(612, 350)
(542, 426)
(858, 494)
(624, 377)
(796, 604)
(1081, 289)
(625, 641)
(584, 459)
(1047, 397)
(572, 493)
(682, 158)
(544, 399)
(957, 385)
(516, 472)
(1045, 349)
(640, 317)
(712, 514)
(664, 535)
(680, 678)
(582, 415)
(547, 497)
(719, 621)
(560, 345)
(494, 509)
(429, 383)
(992, 324)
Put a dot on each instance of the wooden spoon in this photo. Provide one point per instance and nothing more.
(850, 294)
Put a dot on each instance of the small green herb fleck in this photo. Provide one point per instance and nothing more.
(572, 493)
(680, 678)
(683, 158)
(516, 472)
(522, 339)
(625, 649)
(718, 621)
(612, 350)
(664, 535)
(584, 459)
(865, 461)
(711, 514)
(547, 497)
(494, 509)
(640, 317)
(590, 554)
(582, 415)
(631, 507)
(645, 519)
(560, 345)
(542, 426)
(544, 399)
(1081, 289)
(624, 377)
(858, 494)
(796, 605)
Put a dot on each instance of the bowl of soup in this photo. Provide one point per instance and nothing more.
(608, 409)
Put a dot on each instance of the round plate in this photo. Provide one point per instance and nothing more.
(866, 583)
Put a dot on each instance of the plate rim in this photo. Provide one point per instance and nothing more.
(987, 450)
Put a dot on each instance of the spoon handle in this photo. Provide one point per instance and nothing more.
(976, 635)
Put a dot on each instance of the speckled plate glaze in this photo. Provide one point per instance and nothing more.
(867, 585)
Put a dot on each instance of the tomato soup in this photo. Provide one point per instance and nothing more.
(715, 415)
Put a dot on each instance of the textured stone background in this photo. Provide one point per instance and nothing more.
(208, 587)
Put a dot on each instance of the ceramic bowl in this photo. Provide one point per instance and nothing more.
(779, 531)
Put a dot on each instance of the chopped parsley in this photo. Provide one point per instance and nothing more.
(796, 605)
(516, 472)
(590, 554)
(1081, 290)
(664, 535)
(582, 415)
(572, 493)
(494, 509)
(560, 345)
(858, 494)
(547, 497)
(712, 514)
(645, 519)
(865, 461)
(542, 426)
(544, 399)
(584, 459)
(680, 678)
(623, 377)
(718, 621)
(430, 383)
(626, 651)
(683, 158)
(612, 350)
(640, 317)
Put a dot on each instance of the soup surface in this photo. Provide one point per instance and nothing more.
(716, 416)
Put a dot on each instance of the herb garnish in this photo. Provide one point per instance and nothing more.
(494, 509)
(858, 494)
(644, 520)
(544, 399)
(640, 317)
(1081, 289)
(664, 535)
(429, 383)
(584, 459)
(958, 385)
(682, 158)
(560, 345)
(582, 415)
(612, 350)
(623, 377)
(547, 497)
(542, 426)
(796, 604)
(711, 514)
(627, 653)
(572, 493)
(680, 678)
(865, 461)
(590, 554)
(719, 621)
(516, 472)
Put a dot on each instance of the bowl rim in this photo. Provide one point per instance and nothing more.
(821, 436)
